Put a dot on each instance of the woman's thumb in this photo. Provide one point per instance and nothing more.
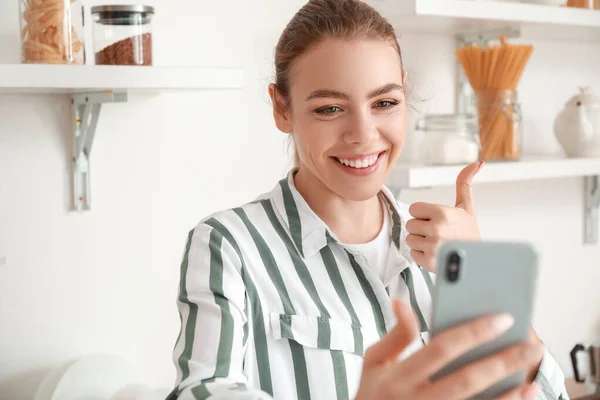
(398, 339)
(464, 187)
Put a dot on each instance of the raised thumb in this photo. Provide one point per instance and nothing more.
(464, 187)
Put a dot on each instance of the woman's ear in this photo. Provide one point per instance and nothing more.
(280, 114)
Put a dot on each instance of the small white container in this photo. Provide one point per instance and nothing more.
(449, 139)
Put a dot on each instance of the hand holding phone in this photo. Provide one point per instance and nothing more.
(475, 279)
(384, 378)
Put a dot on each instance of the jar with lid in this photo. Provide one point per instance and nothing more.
(449, 139)
(588, 4)
(500, 123)
(123, 34)
(52, 32)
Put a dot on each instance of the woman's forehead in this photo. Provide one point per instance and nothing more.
(354, 67)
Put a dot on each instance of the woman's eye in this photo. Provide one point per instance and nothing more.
(386, 104)
(330, 110)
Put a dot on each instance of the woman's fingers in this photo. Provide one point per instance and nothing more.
(478, 376)
(421, 249)
(427, 211)
(424, 260)
(424, 244)
(420, 227)
(527, 391)
(451, 344)
(398, 339)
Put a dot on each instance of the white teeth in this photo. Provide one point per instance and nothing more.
(361, 163)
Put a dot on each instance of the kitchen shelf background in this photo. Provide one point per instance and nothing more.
(416, 175)
(29, 78)
(535, 21)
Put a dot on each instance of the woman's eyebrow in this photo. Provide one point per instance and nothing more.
(328, 93)
(337, 94)
(390, 87)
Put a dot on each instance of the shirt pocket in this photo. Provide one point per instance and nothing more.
(318, 332)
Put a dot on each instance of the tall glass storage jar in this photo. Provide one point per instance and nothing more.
(52, 32)
(500, 122)
(589, 4)
(123, 34)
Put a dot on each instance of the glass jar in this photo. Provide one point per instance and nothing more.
(449, 139)
(51, 32)
(123, 34)
(500, 118)
(589, 4)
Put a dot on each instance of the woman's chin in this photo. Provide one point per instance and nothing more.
(357, 191)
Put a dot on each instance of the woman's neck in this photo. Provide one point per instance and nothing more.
(351, 221)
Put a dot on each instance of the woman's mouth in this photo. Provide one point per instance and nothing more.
(362, 165)
(359, 163)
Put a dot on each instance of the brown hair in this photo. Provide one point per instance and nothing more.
(317, 21)
(323, 19)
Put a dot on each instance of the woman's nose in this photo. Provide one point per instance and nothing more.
(361, 130)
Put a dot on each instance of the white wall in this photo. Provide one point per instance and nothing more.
(105, 281)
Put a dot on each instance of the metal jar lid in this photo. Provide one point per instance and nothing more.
(136, 8)
(123, 14)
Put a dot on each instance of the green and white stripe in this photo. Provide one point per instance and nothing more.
(273, 306)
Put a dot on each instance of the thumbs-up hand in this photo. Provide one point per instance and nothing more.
(433, 223)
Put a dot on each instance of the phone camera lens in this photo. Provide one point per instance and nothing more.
(453, 267)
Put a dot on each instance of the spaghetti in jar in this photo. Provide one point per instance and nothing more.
(52, 32)
(499, 124)
(588, 4)
(494, 72)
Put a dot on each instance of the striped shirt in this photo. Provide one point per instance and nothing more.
(272, 305)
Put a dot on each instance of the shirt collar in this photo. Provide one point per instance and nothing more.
(310, 234)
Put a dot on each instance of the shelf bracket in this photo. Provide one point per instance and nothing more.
(465, 101)
(592, 207)
(86, 113)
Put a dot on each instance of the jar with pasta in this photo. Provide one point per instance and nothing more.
(52, 32)
(499, 115)
(588, 4)
(494, 72)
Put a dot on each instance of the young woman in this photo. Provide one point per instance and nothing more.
(320, 288)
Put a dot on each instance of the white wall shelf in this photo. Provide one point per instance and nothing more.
(481, 21)
(419, 176)
(458, 16)
(30, 78)
(88, 87)
(416, 176)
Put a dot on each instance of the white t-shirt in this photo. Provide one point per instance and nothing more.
(376, 251)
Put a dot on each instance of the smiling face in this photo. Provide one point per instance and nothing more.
(347, 113)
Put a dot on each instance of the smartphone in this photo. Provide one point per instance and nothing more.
(474, 279)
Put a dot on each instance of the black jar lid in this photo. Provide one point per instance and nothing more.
(123, 14)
